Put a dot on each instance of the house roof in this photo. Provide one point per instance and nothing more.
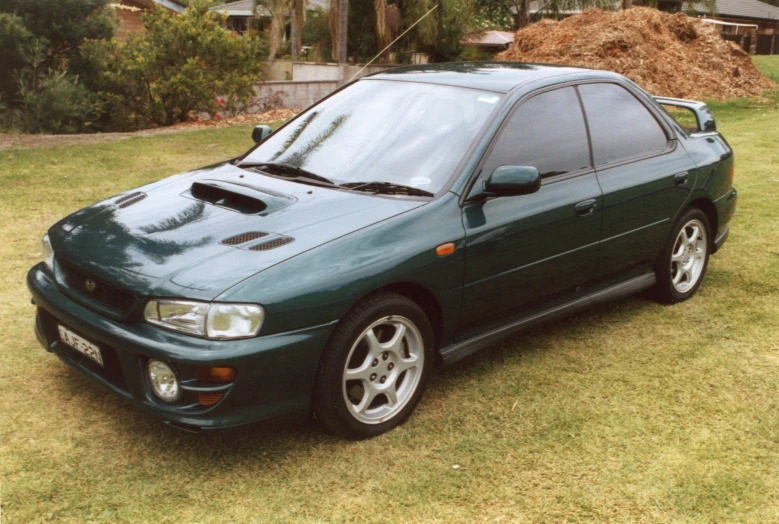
(489, 39)
(244, 8)
(241, 8)
(743, 9)
(174, 5)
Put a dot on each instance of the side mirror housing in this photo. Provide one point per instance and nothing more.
(513, 180)
(260, 133)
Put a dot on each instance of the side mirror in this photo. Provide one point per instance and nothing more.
(260, 133)
(513, 180)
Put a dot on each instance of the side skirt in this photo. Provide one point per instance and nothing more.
(468, 347)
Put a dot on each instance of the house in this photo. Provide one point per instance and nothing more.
(492, 41)
(240, 13)
(130, 12)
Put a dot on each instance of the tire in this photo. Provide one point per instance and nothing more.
(375, 367)
(685, 257)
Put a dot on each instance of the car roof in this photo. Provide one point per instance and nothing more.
(501, 77)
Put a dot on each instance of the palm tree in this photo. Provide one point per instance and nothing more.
(343, 25)
(278, 10)
(334, 25)
(298, 10)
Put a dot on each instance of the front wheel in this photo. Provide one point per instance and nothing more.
(375, 367)
(685, 257)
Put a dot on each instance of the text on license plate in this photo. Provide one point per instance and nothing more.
(80, 344)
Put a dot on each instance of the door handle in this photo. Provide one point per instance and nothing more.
(681, 178)
(586, 208)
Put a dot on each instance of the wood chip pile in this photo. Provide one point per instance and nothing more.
(668, 55)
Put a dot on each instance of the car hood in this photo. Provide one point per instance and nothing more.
(176, 237)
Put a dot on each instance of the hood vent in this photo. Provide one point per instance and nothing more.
(243, 238)
(128, 200)
(272, 244)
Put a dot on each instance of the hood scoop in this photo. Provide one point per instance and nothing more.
(243, 238)
(128, 200)
(241, 198)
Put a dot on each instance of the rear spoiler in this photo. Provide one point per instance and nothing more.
(703, 115)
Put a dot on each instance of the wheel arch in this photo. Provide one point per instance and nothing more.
(425, 299)
(708, 208)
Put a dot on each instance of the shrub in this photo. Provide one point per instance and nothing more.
(48, 100)
(176, 68)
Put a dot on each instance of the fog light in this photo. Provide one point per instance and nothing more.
(164, 382)
(209, 399)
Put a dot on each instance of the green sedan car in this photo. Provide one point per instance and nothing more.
(403, 223)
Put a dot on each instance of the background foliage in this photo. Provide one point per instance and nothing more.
(178, 66)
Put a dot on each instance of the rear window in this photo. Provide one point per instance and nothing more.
(621, 127)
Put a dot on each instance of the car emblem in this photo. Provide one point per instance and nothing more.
(90, 285)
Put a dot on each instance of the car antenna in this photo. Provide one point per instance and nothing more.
(391, 43)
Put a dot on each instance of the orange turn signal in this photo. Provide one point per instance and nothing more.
(732, 171)
(223, 374)
(445, 249)
(209, 399)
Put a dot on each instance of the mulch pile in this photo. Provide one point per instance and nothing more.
(274, 115)
(668, 55)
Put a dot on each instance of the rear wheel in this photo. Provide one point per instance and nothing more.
(376, 366)
(682, 266)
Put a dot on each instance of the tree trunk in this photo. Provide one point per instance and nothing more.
(523, 13)
(278, 11)
(627, 4)
(343, 25)
(296, 27)
(333, 12)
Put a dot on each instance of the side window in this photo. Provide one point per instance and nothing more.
(546, 132)
(620, 126)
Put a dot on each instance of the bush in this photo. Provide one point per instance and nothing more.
(176, 68)
(47, 100)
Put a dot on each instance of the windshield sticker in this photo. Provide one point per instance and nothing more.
(420, 181)
(488, 99)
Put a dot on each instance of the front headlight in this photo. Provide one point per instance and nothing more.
(217, 320)
(47, 252)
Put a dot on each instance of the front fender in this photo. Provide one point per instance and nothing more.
(321, 285)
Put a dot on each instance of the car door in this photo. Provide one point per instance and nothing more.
(646, 177)
(525, 252)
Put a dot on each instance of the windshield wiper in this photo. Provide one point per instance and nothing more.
(295, 171)
(386, 188)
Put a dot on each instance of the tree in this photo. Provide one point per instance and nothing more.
(343, 24)
(298, 11)
(278, 10)
(179, 65)
(59, 28)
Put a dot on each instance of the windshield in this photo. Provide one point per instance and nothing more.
(402, 133)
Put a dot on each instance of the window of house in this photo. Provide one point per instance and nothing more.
(546, 132)
(621, 127)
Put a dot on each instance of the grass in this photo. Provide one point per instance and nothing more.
(632, 412)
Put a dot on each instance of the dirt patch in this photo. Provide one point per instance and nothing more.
(16, 141)
(669, 55)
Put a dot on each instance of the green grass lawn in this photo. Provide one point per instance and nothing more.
(632, 412)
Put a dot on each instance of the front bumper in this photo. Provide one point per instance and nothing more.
(275, 373)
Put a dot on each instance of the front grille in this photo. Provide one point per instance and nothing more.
(243, 238)
(112, 297)
(272, 244)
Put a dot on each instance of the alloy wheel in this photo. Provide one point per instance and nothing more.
(688, 257)
(383, 369)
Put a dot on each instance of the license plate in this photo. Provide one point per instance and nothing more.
(80, 344)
